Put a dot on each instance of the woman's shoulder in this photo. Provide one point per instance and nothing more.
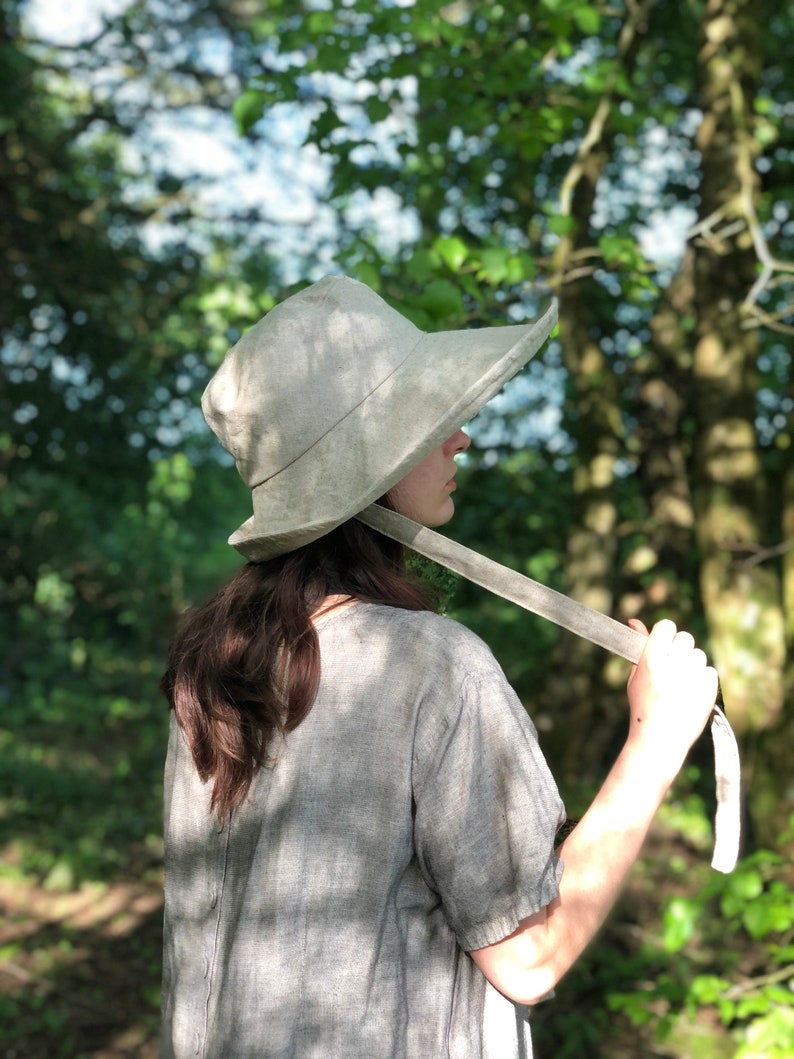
(437, 665)
(421, 632)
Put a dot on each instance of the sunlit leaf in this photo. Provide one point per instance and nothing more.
(248, 108)
(453, 252)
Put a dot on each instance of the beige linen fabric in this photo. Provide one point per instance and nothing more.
(409, 818)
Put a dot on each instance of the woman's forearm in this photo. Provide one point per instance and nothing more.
(671, 695)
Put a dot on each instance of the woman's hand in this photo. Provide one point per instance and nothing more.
(672, 691)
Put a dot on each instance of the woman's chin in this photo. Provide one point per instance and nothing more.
(441, 516)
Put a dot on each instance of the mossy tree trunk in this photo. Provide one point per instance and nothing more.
(742, 600)
(659, 566)
(771, 750)
(577, 688)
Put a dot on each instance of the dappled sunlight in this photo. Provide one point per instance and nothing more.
(80, 970)
(169, 173)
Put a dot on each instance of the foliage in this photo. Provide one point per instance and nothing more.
(755, 902)
(118, 297)
(709, 977)
(516, 151)
(109, 495)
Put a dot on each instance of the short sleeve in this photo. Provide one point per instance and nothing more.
(486, 809)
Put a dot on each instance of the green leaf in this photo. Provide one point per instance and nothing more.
(633, 1005)
(769, 1037)
(442, 299)
(680, 921)
(60, 876)
(319, 22)
(326, 123)
(248, 108)
(588, 19)
(453, 252)
(377, 109)
(560, 224)
(493, 265)
(743, 887)
(520, 267)
(620, 250)
(707, 988)
(422, 265)
(771, 913)
(369, 274)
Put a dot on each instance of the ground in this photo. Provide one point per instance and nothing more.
(80, 971)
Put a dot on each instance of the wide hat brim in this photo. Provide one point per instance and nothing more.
(442, 384)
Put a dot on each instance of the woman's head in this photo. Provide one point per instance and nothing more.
(334, 397)
(425, 493)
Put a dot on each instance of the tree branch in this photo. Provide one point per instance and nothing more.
(595, 129)
(744, 204)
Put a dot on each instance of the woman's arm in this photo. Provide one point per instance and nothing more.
(671, 696)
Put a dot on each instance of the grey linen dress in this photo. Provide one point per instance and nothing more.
(411, 817)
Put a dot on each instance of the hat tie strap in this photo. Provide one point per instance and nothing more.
(582, 620)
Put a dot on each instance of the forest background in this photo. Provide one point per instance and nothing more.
(169, 175)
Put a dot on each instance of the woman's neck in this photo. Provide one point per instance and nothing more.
(332, 605)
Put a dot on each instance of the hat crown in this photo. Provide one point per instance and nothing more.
(301, 370)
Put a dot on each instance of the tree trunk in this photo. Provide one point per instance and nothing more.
(576, 687)
(770, 752)
(742, 601)
(659, 565)
(787, 545)
(582, 685)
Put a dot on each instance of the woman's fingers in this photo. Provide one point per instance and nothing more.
(672, 689)
(683, 641)
(660, 641)
(638, 626)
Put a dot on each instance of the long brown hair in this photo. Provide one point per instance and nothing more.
(246, 665)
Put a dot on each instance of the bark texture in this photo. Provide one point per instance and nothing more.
(742, 600)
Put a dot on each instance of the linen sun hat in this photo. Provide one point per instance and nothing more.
(334, 396)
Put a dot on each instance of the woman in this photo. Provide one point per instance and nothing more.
(360, 825)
